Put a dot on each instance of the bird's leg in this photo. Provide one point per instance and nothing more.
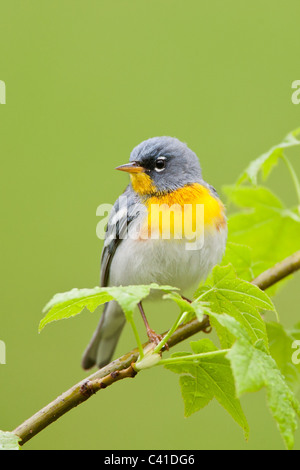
(153, 337)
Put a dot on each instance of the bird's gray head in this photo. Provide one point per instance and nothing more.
(162, 164)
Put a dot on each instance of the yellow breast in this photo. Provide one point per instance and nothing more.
(142, 183)
(184, 213)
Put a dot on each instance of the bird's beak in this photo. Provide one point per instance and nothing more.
(132, 167)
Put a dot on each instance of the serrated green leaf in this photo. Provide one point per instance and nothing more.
(239, 299)
(253, 368)
(208, 378)
(281, 341)
(251, 197)
(240, 256)
(295, 332)
(71, 303)
(128, 297)
(9, 441)
(271, 230)
(268, 160)
(193, 309)
(68, 304)
(183, 304)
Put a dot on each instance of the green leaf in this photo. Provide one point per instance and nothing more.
(72, 303)
(253, 368)
(240, 256)
(268, 160)
(9, 441)
(69, 304)
(129, 296)
(263, 223)
(281, 342)
(259, 197)
(295, 332)
(208, 378)
(239, 299)
(195, 308)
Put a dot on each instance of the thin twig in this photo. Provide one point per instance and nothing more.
(122, 367)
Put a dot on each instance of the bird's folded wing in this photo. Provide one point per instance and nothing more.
(124, 212)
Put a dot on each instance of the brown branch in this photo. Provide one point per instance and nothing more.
(122, 367)
(278, 272)
(83, 390)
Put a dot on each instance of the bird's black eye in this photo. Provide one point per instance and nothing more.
(160, 164)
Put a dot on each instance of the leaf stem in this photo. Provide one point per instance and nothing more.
(137, 337)
(191, 357)
(294, 177)
(179, 320)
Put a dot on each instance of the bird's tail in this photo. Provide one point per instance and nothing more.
(103, 343)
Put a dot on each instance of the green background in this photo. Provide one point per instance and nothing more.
(86, 82)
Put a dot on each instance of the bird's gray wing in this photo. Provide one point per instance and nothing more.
(124, 212)
(102, 345)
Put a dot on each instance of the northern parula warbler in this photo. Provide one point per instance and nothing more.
(139, 249)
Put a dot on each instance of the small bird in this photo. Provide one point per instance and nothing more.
(139, 249)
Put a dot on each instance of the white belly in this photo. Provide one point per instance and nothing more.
(166, 262)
